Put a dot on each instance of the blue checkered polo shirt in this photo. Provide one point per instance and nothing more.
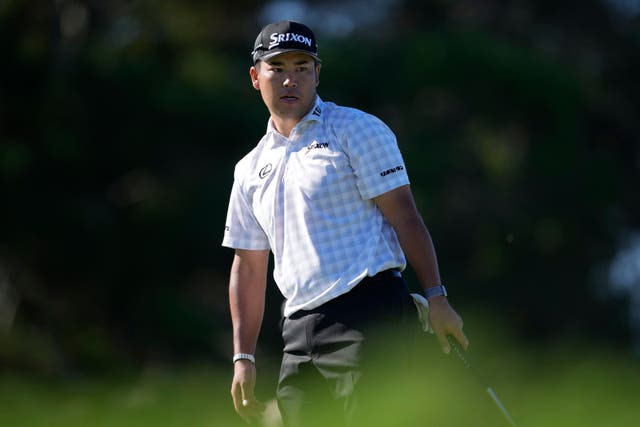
(307, 198)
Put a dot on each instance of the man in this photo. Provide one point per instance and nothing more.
(326, 191)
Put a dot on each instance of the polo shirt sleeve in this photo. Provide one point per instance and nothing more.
(375, 157)
(242, 230)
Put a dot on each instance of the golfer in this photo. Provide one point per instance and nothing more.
(326, 191)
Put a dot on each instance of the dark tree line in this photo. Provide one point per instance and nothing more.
(120, 125)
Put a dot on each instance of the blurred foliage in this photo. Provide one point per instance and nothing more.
(563, 387)
(120, 124)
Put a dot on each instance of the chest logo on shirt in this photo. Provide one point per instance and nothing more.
(265, 171)
(317, 145)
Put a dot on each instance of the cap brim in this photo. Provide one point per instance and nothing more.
(275, 53)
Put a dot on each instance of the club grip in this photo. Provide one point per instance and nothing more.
(458, 350)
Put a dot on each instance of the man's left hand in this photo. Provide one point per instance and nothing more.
(445, 321)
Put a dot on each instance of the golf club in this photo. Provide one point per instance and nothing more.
(463, 357)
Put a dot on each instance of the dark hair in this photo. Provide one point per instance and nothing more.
(315, 63)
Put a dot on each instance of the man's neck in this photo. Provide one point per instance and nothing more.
(284, 126)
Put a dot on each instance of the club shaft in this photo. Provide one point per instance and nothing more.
(497, 401)
(462, 356)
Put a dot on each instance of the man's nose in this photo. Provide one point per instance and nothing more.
(289, 82)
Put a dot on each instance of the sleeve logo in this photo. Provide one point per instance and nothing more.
(392, 170)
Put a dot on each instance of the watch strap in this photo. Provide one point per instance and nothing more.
(435, 291)
(246, 356)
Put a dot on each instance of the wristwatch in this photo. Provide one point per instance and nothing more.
(435, 291)
(244, 356)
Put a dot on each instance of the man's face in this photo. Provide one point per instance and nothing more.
(287, 84)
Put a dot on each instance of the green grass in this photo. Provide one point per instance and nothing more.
(571, 386)
(184, 397)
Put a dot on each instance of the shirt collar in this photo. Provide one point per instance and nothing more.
(315, 114)
(316, 111)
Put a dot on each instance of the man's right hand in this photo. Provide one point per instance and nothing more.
(244, 381)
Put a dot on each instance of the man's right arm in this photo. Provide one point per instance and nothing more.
(247, 284)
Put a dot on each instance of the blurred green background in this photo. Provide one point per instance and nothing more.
(120, 124)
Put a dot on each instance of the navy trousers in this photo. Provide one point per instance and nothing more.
(338, 357)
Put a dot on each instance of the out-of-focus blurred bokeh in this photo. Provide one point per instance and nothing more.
(121, 122)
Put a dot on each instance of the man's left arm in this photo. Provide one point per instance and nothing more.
(399, 208)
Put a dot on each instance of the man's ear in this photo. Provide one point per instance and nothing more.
(253, 73)
(318, 66)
